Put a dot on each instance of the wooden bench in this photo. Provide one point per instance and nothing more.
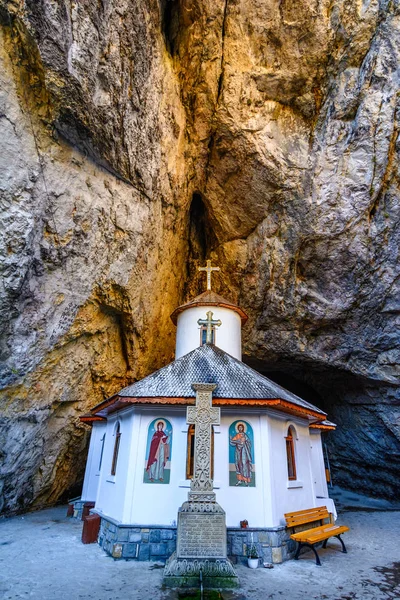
(315, 533)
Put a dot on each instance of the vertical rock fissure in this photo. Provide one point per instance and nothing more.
(219, 91)
(197, 228)
(388, 171)
(223, 34)
(169, 15)
(200, 241)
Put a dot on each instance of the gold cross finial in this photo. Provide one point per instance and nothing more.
(209, 323)
(209, 270)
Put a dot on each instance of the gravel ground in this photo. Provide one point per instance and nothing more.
(42, 557)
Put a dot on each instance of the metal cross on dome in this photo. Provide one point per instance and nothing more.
(209, 269)
(209, 323)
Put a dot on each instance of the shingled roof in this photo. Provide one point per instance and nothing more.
(209, 298)
(210, 364)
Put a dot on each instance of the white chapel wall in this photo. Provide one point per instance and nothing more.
(133, 465)
(111, 493)
(228, 335)
(92, 471)
(317, 464)
(158, 503)
(240, 502)
(289, 496)
(128, 499)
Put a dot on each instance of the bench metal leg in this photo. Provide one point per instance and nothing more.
(296, 556)
(342, 542)
(301, 545)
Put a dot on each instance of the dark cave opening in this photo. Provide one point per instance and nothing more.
(198, 224)
(298, 387)
(364, 451)
(169, 10)
(201, 240)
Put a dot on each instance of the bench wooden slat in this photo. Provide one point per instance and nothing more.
(306, 516)
(315, 529)
(312, 536)
(323, 536)
(305, 511)
(305, 520)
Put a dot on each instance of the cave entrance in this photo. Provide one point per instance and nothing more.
(198, 226)
(169, 10)
(201, 240)
(364, 451)
(296, 386)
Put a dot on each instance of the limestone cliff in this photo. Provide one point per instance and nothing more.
(140, 137)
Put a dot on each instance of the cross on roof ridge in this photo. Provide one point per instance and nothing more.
(209, 323)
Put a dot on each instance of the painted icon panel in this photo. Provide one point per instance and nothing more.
(241, 455)
(157, 467)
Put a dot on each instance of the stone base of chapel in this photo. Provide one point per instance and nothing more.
(158, 542)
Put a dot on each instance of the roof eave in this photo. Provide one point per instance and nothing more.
(323, 427)
(181, 309)
(103, 404)
(277, 403)
(90, 419)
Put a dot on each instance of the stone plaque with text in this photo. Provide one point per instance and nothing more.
(201, 535)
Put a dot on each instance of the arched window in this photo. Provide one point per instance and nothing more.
(116, 448)
(290, 454)
(190, 453)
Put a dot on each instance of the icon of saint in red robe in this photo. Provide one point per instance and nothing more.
(158, 454)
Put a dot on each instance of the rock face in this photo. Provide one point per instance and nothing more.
(141, 137)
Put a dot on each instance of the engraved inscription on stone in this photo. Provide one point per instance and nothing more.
(201, 535)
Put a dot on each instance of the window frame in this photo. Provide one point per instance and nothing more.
(117, 443)
(190, 452)
(214, 334)
(291, 454)
(102, 442)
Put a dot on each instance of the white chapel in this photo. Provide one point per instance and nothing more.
(267, 454)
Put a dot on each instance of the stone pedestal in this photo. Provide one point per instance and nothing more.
(201, 549)
(201, 536)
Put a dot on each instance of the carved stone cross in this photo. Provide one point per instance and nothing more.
(209, 270)
(209, 324)
(203, 416)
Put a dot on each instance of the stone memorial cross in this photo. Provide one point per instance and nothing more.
(209, 323)
(209, 269)
(201, 544)
(203, 416)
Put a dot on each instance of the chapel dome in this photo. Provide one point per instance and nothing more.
(209, 298)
